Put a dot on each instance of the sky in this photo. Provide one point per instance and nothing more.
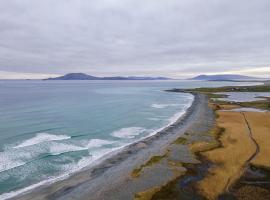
(174, 38)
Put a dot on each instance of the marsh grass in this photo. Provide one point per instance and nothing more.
(153, 160)
(181, 140)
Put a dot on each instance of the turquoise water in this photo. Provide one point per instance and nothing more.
(50, 129)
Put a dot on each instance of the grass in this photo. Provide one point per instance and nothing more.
(265, 104)
(146, 195)
(155, 159)
(229, 150)
(235, 149)
(260, 126)
(210, 92)
(203, 146)
(259, 88)
(180, 140)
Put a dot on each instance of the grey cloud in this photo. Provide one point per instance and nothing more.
(133, 36)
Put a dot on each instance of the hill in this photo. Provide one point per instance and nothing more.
(223, 77)
(82, 76)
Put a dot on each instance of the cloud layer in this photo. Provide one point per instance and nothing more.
(134, 37)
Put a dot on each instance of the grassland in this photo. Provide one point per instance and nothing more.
(230, 158)
(260, 126)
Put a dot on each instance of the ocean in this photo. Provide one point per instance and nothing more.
(51, 129)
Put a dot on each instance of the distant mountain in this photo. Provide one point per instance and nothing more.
(82, 76)
(223, 77)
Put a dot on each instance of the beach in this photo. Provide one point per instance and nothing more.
(216, 150)
(114, 173)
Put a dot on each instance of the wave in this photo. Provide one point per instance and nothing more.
(7, 163)
(40, 138)
(68, 170)
(98, 143)
(154, 119)
(163, 105)
(15, 157)
(59, 148)
(130, 132)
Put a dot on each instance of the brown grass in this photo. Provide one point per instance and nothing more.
(230, 159)
(202, 146)
(260, 126)
(146, 195)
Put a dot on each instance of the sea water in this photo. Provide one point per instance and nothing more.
(51, 129)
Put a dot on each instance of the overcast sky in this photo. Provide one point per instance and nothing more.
(176, 38)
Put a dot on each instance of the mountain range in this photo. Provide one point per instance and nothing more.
(82, 76)
(223, 77)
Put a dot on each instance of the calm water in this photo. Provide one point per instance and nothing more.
(49, 129)
(244, 96)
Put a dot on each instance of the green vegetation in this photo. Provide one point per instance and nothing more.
(258, 88)
(155, 159)
(210, 92)
(212, 95)
(180, 140)
(169, 191)
(265, 104)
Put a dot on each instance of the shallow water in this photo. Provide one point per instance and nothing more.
(49, 129)
(244, 96)
(246, 110)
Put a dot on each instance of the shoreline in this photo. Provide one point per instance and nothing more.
(113, 159)
(184, 160)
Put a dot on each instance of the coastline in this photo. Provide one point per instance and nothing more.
(132, 155)
(216, 150)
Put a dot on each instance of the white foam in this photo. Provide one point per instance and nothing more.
(11, 194)
(163, 105)
(12, 159)
(175, 117)
(98, 143)
(130, 132)
(40, 138)
(58, 148)
(7, 163)
(68, 170)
